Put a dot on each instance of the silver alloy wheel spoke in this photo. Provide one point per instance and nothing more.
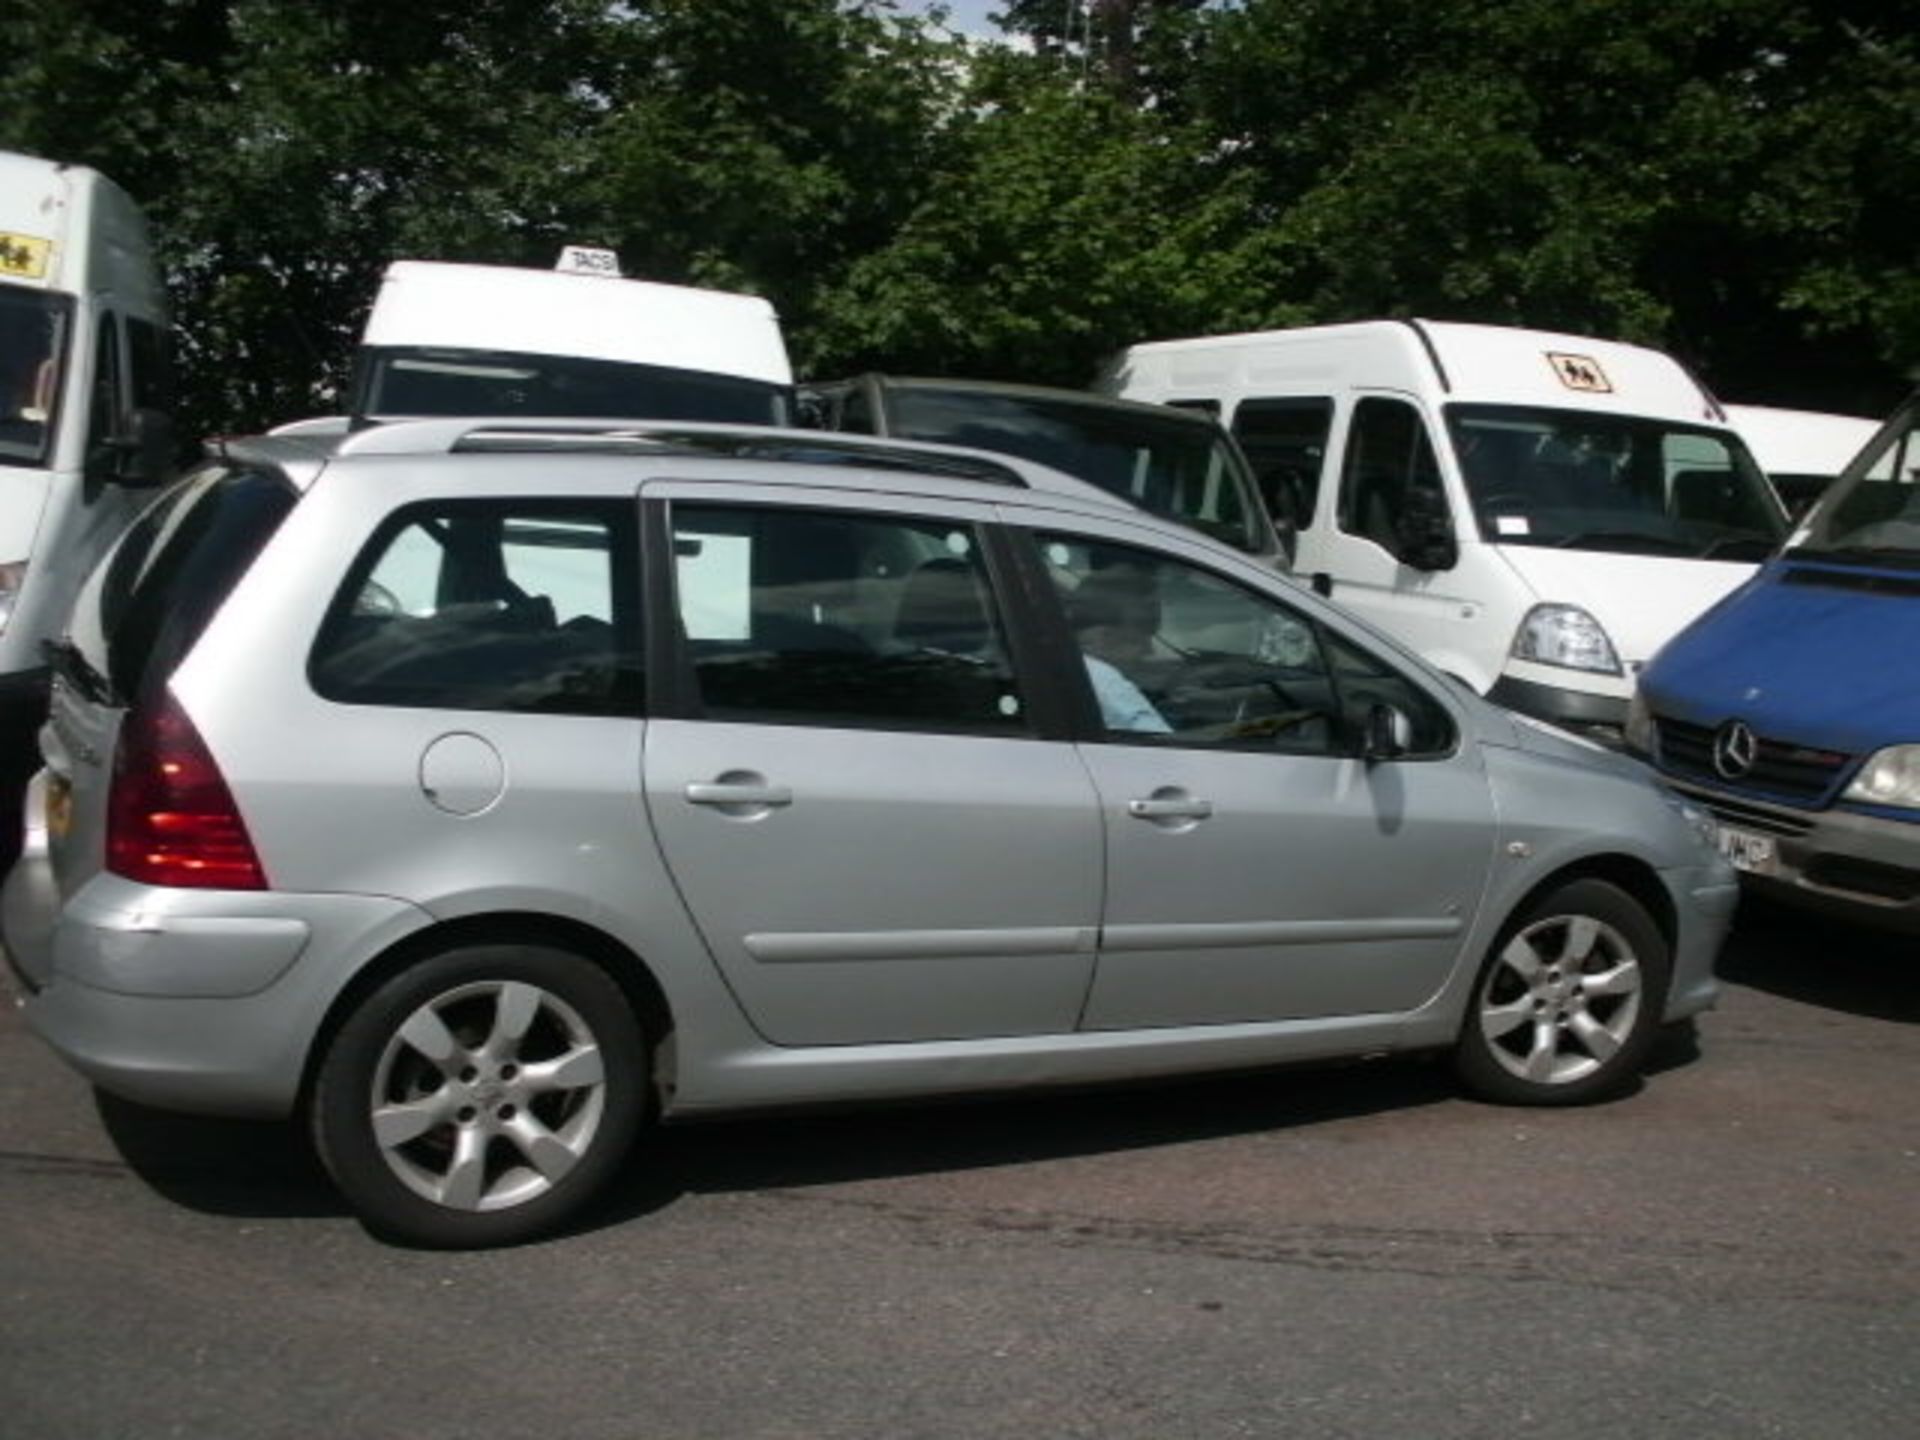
(426, 1032)
(1599, 1040)
(1545, 1053)
(1498, 1020)
(1581, 934)
(1621, 979)
(1522, 958)
(545, 1151)
(406, 1121)
(465, 1182)
(575, 1070)
(514, 1013)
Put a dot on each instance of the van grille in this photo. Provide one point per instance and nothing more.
(1780, 767)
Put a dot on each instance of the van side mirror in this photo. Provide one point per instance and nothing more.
(139, 454)
(1423, 532)
(1386, 733)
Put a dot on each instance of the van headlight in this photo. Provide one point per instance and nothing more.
(1567, 636)
(1890, 777)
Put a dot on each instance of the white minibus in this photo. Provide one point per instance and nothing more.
(1534, 513)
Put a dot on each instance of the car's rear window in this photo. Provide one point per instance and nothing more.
(174, 568)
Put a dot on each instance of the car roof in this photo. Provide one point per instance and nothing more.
(760, 454)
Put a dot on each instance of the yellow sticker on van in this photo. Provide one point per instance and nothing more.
(1580, 372)
(24, 257)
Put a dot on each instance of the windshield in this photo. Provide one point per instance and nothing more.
(1872, 513)
(1581, 480)
(33, 329)
(415, 382)
(1177, 465)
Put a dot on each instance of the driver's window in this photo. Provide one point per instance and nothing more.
(1173, 653)
(1390, 474)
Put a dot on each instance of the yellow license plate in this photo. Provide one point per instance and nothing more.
(59, 807)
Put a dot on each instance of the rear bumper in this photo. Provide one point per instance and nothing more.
(204, 1001)
(1855, 867)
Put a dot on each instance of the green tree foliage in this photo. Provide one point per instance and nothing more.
(1725, 177)
(1729, 178)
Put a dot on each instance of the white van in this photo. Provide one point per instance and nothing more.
(85, 387)
(1802, 451)
(1535, 513)
(496, 340)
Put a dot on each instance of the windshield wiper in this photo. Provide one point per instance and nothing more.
(70, 663)
(1622, 540)
(1757, 547)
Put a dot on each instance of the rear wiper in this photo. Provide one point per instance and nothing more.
(70, 663)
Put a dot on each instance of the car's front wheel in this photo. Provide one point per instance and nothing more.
(481, 1096)
(1567, 1005)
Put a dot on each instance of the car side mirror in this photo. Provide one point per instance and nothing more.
(1386, 733)
(139, 454)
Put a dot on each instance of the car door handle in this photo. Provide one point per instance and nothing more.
(720, 792)
(1171, 808)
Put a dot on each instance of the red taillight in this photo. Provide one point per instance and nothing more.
(170, 818)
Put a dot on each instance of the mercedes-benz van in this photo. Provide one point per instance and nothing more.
(1533, 513)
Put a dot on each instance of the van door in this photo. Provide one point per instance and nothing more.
(1392, 550)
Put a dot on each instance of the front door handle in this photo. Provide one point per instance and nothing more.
(730, 791)
(1170, 807)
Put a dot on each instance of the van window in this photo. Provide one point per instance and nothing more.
(1166, 463)
(419, 381)
(516, 605)
(173, 570)
(830, 618)
(1285, 441)
(1591, 480)
(104, 420)
(33, 330)
(1390, 468)
(1873, 517)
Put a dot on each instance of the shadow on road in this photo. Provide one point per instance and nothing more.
(1818, 961)
(255, 1168)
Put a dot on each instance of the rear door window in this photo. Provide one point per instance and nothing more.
(172, 571)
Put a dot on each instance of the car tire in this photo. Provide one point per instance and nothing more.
(482, 1096)
(1568, 1002)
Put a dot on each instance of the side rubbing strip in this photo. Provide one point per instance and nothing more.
(824, 946)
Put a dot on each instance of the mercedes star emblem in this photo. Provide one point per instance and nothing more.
(1735, 748)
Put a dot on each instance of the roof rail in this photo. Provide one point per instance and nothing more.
(471, 435)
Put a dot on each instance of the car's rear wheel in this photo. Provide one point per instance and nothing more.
(481, 1096)
(1568, 1003)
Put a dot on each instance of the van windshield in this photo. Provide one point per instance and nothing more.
(1871, 515)
(1585, 480)
(1176, 465)
(33, 330)
(409, 382)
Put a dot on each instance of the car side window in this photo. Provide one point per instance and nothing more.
(794, 616)
(1391, 474)
(1174, 653)
(491, 605)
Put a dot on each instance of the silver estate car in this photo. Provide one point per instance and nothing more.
(477, 792)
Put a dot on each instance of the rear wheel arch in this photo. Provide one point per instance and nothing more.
(625, 968)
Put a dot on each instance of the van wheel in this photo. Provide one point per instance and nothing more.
(482, 1096)
(1568, 1003)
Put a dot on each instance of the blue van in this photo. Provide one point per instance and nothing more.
(1792, 708)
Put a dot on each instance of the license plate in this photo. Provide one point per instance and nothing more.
(1749, 851)
(59, 807)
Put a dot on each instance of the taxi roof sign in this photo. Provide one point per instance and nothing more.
(588, 260)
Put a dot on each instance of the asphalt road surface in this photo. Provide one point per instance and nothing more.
(1354, 1251)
